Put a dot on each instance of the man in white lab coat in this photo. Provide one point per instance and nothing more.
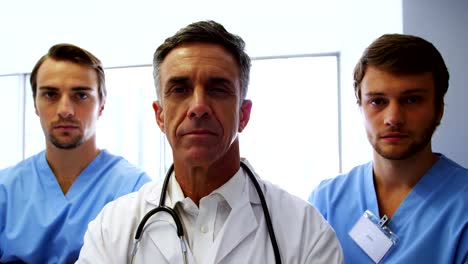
(201, 76)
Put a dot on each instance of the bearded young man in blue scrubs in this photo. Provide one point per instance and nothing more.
(47, 200)
(400, 83)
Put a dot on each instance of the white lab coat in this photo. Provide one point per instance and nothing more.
(302, 234)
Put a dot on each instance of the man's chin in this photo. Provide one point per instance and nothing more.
(66, 144)
(396, 154)
(199, 157)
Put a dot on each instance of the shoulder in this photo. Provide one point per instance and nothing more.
(446, 164)
(298, 224)
(343, 181)
(24, 168)
(118, 167)
(334, 192)
(277, 195)
(283, 205)
(133, 204)
(452, 174)
(115, 161)
(451, 179)
(111, 234)
(125, 212)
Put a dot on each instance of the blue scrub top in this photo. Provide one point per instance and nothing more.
(39, 224)
(431, 222)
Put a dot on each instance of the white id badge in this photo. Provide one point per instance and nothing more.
(373, 236)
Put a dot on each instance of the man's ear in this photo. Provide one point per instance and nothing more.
(35, 108)
(440, 114)
(244, 116)
(159, 114)
(101, 107)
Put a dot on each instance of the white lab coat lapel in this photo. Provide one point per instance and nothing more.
(161, 234)
(238, 226)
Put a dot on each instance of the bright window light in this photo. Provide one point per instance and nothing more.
(292, 137)
(11, 110)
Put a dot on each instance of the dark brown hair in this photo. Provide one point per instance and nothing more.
(75, 54)
(404, 54)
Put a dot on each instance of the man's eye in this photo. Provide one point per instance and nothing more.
(412, 99)
(179, 90)
(376, 101)
(81, 96)
(218, 90)
(49, 94)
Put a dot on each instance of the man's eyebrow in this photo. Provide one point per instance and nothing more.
(76, 88)
(177, 80)
(374, 94)
(82, 88)
(406, 92)
(220, 80)
(48, 88)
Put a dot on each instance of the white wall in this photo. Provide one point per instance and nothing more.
(125, 33)
(444, 24)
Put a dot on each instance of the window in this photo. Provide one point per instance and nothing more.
(11, 110)
(33, 135)
(292, 138)
(128, 124)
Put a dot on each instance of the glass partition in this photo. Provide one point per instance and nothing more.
(11, 110)
(292, 138)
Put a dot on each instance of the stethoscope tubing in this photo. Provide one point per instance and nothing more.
(266, 212)
(178, 222)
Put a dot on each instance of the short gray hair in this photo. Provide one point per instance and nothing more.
(207, 32)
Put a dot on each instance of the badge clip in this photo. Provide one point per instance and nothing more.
(383, 221)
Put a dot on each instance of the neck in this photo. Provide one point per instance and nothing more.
(394, 179)
(67, 164)
(198, 181)
(405, 172)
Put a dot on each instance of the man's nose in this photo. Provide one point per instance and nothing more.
(394, 115)
(65, 107)
(199, 104)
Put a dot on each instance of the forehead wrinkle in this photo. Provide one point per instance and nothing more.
(184, 60)
(415, 91)
(221, 80)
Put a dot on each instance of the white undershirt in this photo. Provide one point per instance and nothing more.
(203, 224)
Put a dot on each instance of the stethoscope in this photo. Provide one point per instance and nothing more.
(178, 222)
